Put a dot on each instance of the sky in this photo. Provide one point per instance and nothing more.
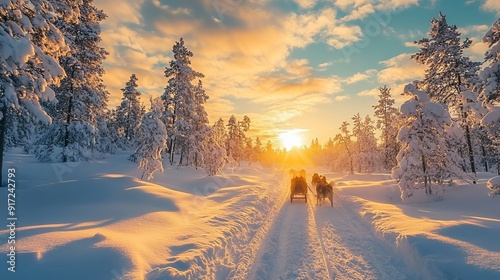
(293, 66)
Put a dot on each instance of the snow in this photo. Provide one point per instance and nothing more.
(491, 118)
(34, 108)
(494, 185)
(97, 220)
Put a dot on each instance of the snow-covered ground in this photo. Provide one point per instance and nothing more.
(99, 221)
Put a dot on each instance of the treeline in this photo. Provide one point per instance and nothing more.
(53, 101)
(448, 129)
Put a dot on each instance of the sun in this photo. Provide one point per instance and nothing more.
(290, 139)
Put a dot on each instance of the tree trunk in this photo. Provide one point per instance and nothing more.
(426, 179)
(182, 157)
(127, 129)
(484, 158)
(66, 134)
(471, 153)
(171, 153)
(3, 128)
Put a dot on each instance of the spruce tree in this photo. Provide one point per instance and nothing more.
(151, 142)
(387, 116)
(425, 160)
(215, 152)
(30, 47)
(82, 96)
(450, 76)
(490, 96)
(129, 112)
(184, 113)
(236, 138)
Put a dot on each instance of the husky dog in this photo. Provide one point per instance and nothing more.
(323, 189)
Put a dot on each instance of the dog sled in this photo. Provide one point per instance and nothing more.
(298, 185)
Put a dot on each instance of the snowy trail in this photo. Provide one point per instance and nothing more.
(306, 241)
(291, 249)
(351, 247)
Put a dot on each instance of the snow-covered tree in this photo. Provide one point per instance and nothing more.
(425, 160)
(269, 155)
(184, 112)
(215, 152)
(30, 45)
(345, 157)
(236, 138)
(387, 116)
(194, 150)
(129, 112)
(450, 76)
(249, 150)
(491, 73)
(81, 96)
(151, 141)
(257, 150)
(365, 146)
(490, 96)
(369, 152)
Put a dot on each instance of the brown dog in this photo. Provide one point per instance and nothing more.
(323, 189)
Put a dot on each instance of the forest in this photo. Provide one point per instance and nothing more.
(53, 103)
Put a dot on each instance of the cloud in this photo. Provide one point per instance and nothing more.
(386, 5)
(299, 68)
(325, 64)
(243, 52)
(369, 92)
(399, 69)
(359, 13)
(342, 97)
(492, 6)
(120, 12)
(307, 4)
(167, 8)
(473, 30)
(245, 64)
(477, 50)
(358, 77)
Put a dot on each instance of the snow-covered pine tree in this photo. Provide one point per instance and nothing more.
(387, 116)
(450, 75)
(215, 152)
(425, 160)
(344, 139)
(357, 131)
(249, 150)
(20, 128)
(200, 130)
(74, 134)
(129, 113)
(257, 150)
(30, 47)
(184, 113)
(490, 94)
(236, 138)
(491, 73)
(369, 151)
(269, 155)
(151, 140)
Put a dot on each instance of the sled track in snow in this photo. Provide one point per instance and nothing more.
(352, 249)
(306, 241)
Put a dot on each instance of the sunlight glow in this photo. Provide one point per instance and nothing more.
(291, 138)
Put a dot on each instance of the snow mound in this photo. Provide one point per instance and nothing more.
(494, 185)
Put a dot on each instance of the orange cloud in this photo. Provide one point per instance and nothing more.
(400, 68)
